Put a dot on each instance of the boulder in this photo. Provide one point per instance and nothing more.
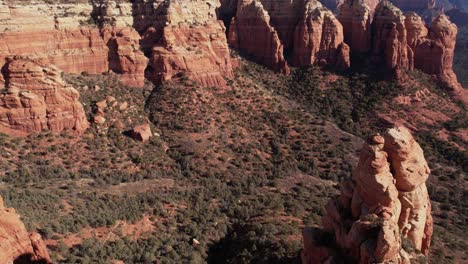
(141, 133)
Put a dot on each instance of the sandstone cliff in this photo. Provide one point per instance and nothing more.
(318, 39)
(356, 17)
(385, 203)
(305, 29)
(192, 43)
(414, 4)
(16, 244)
(66, 35)
(401, 42)
(252, 33)
(36, 98)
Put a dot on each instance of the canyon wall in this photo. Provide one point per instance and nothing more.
(385, 203)
(401, 42)
(36, 98)
(66, 35)
(16, 244)
(190, 42)
(305, 29)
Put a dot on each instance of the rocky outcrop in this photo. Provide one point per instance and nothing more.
(192, 44)
(141, 132)
(318, 39)
(434, 48)
(125, 58)
(199, 53)
(389, 38)
(305, 29)
(385, 202)
(16, 244)
(356, 17)
(265, 48)
(36, 98)
(66, 35)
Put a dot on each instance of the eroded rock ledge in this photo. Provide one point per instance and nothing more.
(16, 244)
(385, 203)
(36, 98)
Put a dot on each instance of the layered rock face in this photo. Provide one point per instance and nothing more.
(318, 39)
(356, 17)
(434, 48)
(389, 37)
(385, 202)
(64, 35)
(37, 98)
(192, 43)
(402, 42)
(265, 48)
(16, 244)
(305, 29)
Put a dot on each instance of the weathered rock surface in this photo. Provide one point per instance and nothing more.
(199, 52)
(318, 39)
(265, 48)
(385, 202)
(389, 37)
(356, 17)
(16, 244)
(125, 57)
(37, 98)
(65, 35)
(305, 29)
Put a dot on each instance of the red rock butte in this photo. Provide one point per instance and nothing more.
(384, 203)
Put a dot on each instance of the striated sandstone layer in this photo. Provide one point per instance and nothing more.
(36, 98)
(66, 35)
(16, 244)
(197, 52)
(318, 39)
(192, 44)
(385, 202)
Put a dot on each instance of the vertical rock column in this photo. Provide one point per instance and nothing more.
(385, 202)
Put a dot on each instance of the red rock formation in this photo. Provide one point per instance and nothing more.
(265, 48)
(389, 37)
(125, 57)
(385, 202)
(356, 17)
(318, 38)
(199, 52)
(82, 50)
(434, 48)
(15, 242)
(72, 51)
(37, 98)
